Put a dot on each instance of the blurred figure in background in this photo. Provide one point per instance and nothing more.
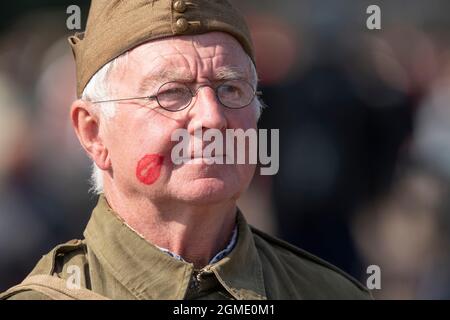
(406, 231)
(39, 150)
(406, 234)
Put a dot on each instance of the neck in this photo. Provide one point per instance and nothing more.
(195, 232)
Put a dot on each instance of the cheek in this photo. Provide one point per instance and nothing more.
(245, 118)
(148, 168)
(247, 171)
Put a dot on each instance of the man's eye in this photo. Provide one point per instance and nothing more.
(171, 93)
(231, 90)
(174, 91)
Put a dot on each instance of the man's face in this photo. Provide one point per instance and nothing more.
(138, 137)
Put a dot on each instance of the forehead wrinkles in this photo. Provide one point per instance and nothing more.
(203, 46)
(198, 55)
(212, 59)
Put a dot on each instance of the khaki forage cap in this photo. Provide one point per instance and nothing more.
(116, 26)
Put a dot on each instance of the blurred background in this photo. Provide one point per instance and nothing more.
(364, 119)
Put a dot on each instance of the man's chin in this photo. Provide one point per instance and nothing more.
(207, 191)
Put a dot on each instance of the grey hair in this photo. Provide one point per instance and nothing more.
(98, 88)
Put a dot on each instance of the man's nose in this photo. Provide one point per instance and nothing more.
(206, 111)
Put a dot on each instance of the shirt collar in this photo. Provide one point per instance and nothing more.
(150, 273)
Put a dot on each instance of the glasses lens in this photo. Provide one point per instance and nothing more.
(235, 93)
(174, 96)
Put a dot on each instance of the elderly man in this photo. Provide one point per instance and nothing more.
(163, 230)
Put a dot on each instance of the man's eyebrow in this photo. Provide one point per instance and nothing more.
(153, 79)
(220, 74)
(229, 73)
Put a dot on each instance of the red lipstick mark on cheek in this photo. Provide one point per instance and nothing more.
(149, 168)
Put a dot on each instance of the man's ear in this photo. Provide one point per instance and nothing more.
(86, 124)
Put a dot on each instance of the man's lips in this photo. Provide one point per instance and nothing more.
(202, 159)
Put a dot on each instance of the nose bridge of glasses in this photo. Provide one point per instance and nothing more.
(203, 85)
(208, 105)
(209, 85)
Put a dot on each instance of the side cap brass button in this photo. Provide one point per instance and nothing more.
(179, 6)
(181, 25)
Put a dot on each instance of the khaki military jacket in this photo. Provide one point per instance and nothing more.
(114, 262)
